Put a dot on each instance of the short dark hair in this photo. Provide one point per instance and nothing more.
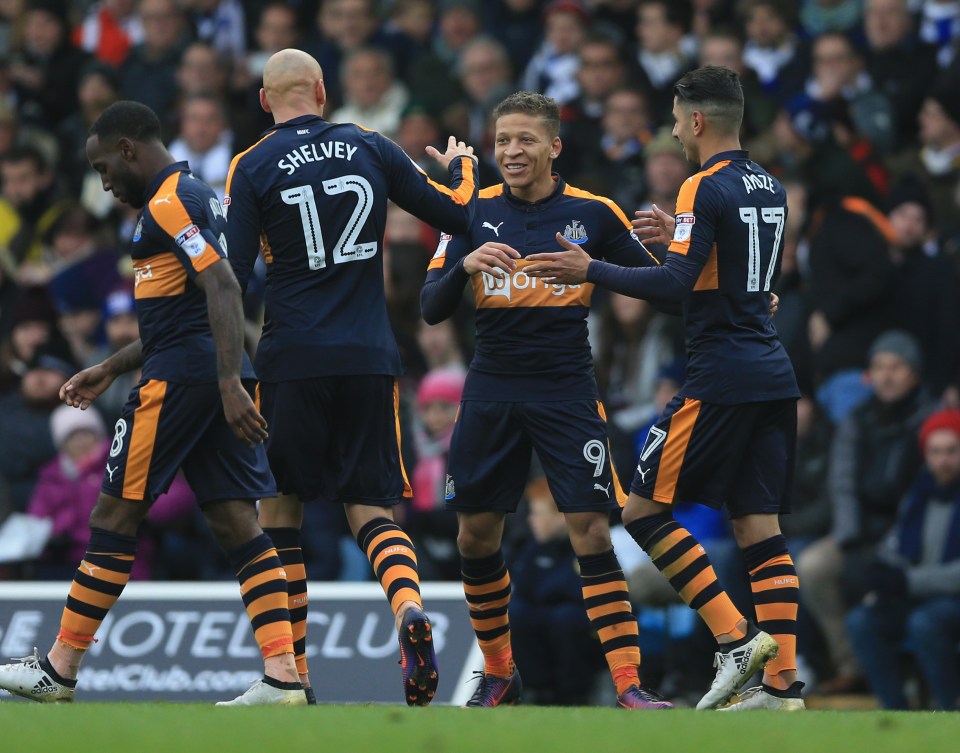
(127, 119)
(531, 103)
(714, 90)
(783, 9)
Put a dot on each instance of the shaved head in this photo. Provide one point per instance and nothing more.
(292, 79)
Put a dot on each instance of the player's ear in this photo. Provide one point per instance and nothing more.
(321, 93)
(127, 149)
(697, 121)
(263, 100)
(556, 147)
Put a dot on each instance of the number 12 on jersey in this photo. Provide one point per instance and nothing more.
(346, 248)
(774, 216)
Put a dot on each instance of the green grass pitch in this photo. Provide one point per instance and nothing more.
(181, 728)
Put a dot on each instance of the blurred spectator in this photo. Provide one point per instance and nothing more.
(838, 75)
(926, 299)
(440, 346)
(99, 88)
(47, 67)
(373, 97)
(109, 29)
(149, 74)
(67, 491)
(601, 70)
(912, 589)
(432, 527)
(827, 16)
(553, 68)
(901, 66)
(940, 148)
(810, 516)
(344, 26)
(661, 26)
(418, 129)
(873, 460)
(484, 71)
(277, 29)
(120, 329)
(30, 198)
(29, 322)
(772, 50)
(851, 281)
(202, 69)
(26, 443)
(551, 635)
(222, 23)
(725, 48)
(518, 25)
(940, 26)
(666, 169)
(205, 140)
(613, 166)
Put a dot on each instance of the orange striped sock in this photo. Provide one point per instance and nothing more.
(287, 542)
(684, 562)
(776, 590)
(263, 586)
(607, 601)
(97, 584)
(486, 585)
(394, 560)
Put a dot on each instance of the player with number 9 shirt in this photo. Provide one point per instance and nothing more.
(313, 196)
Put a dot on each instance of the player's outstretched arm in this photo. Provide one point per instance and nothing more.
(80, 390)
(225, 309)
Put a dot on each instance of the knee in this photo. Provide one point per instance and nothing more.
(590, 536)
(118, 515)
(474, 544)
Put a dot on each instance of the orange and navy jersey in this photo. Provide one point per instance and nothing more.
(313, 196)
(179, 234)
(723, 259)
(531, 340)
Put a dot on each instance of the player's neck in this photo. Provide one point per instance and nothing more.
(713, 147)
(156, 159)
(537, 191)
(283, 114)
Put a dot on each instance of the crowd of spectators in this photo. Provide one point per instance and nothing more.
(853, 104)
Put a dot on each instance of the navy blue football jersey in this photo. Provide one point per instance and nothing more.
(179, 234)
(531, 339)
(723, 259)
(313, 195)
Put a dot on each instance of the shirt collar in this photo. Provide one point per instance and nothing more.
(297, 121)
(154, 185)
(559, 185)
(733, 155)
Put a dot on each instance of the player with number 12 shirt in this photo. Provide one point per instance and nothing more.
(313, 196)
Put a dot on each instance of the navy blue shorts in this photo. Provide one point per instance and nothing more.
(490, 454)
(741, 456)
(165, 427)
(336, 438)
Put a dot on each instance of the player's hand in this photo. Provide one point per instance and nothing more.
(241, 414)
(80, 390)
(654, 225)
(568, 267)
(774, 303)
(454, 149)
(496, 259)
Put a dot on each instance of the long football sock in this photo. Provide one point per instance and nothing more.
(486, 585)
(776, 588)
(684, 562)
(97, 584)
(607, 602)
(263, 586)
(394, 561)
(287, 542)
